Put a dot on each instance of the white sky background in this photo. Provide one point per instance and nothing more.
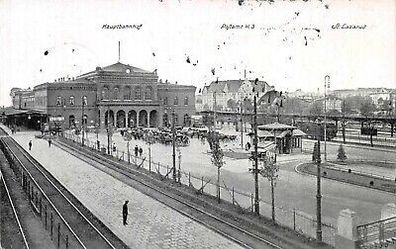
(175, 29)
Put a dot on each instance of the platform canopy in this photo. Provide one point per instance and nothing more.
(276, 127)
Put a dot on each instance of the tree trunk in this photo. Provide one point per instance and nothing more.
(218, 185)
(273, 200)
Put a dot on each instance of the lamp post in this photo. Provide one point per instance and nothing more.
(82, 119)
(174, 146)
(326, 85)
(318, 191)
(150, 140)
(109, 134)
(256, 170)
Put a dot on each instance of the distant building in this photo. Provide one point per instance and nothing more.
(118, 94)
(229, 93)
(364, 92)
(332, 103)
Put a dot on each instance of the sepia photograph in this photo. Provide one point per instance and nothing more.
(178, 124)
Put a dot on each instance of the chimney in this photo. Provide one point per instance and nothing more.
(244, 74)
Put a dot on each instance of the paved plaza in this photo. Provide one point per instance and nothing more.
(150, 223)
(293, 190)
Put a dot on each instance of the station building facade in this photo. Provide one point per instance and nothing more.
(120, 95)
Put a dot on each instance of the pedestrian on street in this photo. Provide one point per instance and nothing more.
(125, 213)
(49, 142)
(136, 150)
(30, 145)
(114, 147)
(140, 151)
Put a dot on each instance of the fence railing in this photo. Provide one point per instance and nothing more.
(294, 219)
(377, 232)
(51, 218)
(363, 139)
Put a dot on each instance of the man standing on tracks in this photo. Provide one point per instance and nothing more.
(125, 213)
(30, 145)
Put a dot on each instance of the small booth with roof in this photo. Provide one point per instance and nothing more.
(287, 138)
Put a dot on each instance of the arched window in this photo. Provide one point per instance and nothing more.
(138, 93)
(71, 100)
(105, 93)
(84, 100)
(176, 119)
(187, 120)
(127, 92)
(116, 93)
(59, 101)
(176, 101)
(166, 101)
(148, 94)
(186, 101)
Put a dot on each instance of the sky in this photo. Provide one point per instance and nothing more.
(290, 44)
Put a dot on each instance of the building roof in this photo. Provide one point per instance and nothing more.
(117, 68)
(122, 68)
(276, 126)
(218, 86)
(10, 111)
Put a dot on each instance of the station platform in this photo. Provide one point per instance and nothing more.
(151, 224)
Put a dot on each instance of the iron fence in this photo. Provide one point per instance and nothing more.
(295, 219)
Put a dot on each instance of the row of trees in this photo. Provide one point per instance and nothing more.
(350, 105)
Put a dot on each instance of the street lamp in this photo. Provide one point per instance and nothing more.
(326, 85)
(83, 98)
(318, 190)
(174, 145)
(110, 131)
(150, 140)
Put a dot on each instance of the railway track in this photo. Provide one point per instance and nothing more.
(16, 236)
(64, 216)
(146, 184)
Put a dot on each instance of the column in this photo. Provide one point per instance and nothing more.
(137, 118)
(148, 119)
(126, 119)
(102, 118)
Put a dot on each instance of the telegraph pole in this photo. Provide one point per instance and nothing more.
(326, 85)
(241, 111)
(214, 110)
(318, 194)
(174, 146)
(82, 119)
(256, 170)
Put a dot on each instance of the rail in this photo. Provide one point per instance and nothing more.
(15, 213)
(44, 194)
(292, 218)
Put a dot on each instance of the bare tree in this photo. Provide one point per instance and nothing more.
(270, 171)
(217, 156)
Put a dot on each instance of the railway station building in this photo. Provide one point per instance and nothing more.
(120, 95)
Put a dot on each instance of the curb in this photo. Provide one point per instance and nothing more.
(341, 182)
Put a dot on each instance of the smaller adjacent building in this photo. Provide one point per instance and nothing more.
(280, 138)
(228, 94)
(332, 103)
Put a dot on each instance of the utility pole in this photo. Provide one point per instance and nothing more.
(174, 146)
(214, 110)
(318, 193)
(326, 85)
(256, 170)
(241, 111)
(82, 119)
